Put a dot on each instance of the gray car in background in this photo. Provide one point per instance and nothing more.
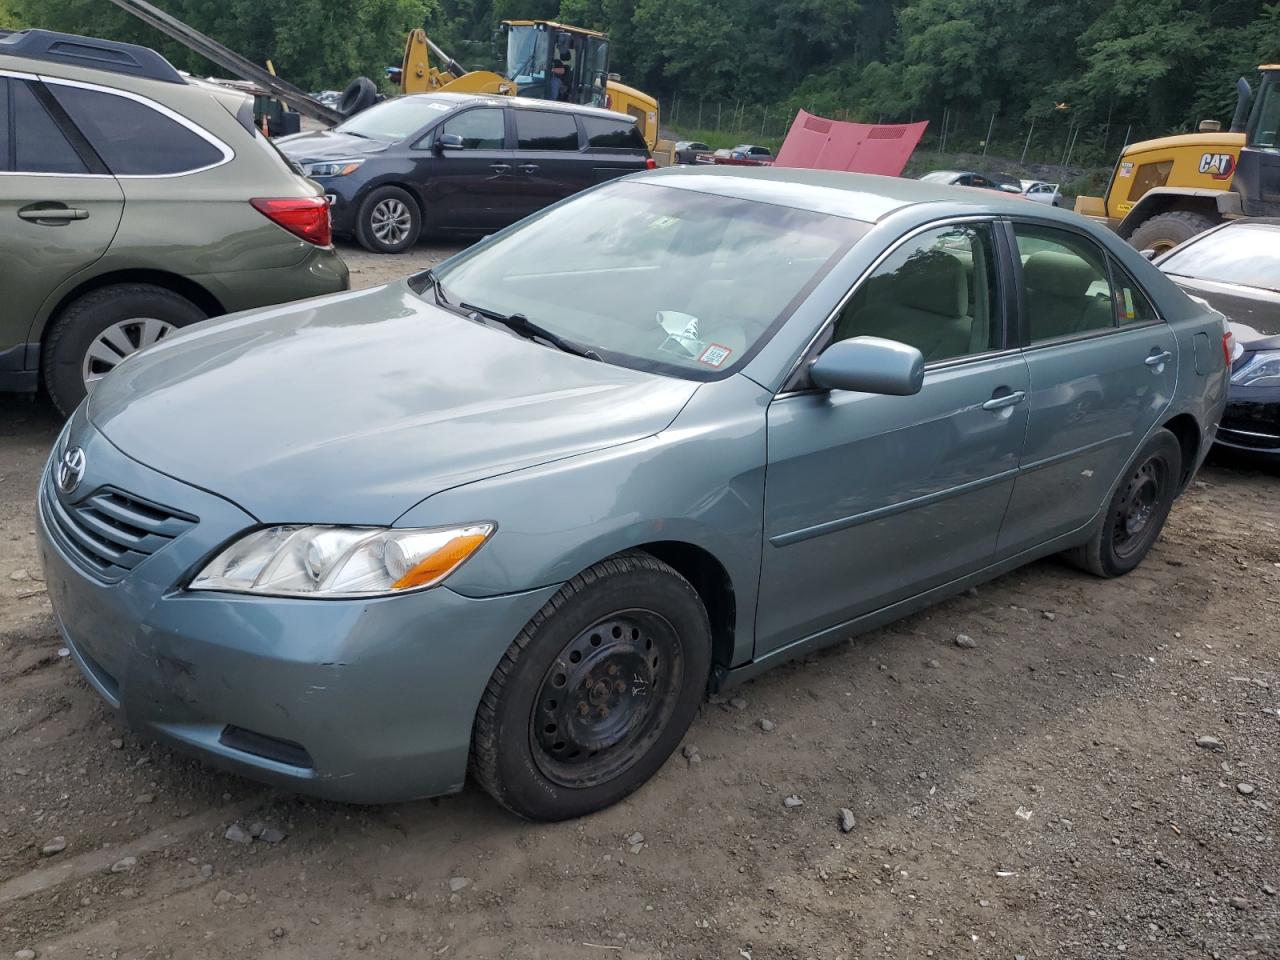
(516, 515)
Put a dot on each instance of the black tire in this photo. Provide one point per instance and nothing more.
(1166, 231)
(361, 93)
(1137, 512)
(388, 221)
(127, 306)
(531, 748)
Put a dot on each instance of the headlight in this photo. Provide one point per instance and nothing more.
(1262, 369)
(316, 561)
(333, 168)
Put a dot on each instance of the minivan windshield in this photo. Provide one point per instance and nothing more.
(394, 119)
(657, 278)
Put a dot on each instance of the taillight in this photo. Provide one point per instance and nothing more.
(650, 163)
(1228, 346)
(305, 217)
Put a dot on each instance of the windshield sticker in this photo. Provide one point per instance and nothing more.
(431, 105)
(715, 355)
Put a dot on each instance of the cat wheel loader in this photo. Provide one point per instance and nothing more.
(1167, 190)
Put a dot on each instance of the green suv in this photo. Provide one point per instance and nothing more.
(135, 200)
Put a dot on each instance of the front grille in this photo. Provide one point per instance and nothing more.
(111, 532)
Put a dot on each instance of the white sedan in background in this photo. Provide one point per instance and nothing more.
(1042, 192)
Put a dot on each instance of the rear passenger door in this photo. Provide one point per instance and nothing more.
(59, 208)
(872, 499)
(1102, 367)
(549, 164)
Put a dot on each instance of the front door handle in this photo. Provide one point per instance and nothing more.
(528, 167)
(51, 215)
(1005, 400)
(1158, 359)
(500, 167)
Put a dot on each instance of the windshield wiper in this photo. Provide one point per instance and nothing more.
(420, 281)
(532, 331)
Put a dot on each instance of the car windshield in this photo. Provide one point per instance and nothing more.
(394, 119)
(1243, 253)
(652, 277)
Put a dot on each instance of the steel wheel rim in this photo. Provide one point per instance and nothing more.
(606, 698)
(120, 340)
(390, 221)
(1136, 520)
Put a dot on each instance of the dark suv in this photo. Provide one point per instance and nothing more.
(460, 163)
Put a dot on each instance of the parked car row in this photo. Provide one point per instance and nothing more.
(1036, 190)
(138, 200)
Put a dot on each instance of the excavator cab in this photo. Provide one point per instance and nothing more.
(551, 61)
(1257, 178)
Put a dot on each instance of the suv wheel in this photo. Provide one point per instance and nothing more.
(389, 221)
(98, 330)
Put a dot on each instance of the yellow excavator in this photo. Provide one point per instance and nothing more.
(1167, 190)
(544, 60)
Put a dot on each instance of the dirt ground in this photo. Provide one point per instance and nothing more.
(1040, 794)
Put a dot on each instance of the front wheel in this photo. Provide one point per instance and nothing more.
(388, 221)
(596, 691)
(1137, 511)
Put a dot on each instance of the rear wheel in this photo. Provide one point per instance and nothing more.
(1137, 511)
(1166, 231)
(97, 331)
(596, 691)
(388, 221)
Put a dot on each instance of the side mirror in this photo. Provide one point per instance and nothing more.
(869, 365)
(448, 141)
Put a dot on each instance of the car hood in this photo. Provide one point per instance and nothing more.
(355, 407)
(1254, 315)
(328, 145)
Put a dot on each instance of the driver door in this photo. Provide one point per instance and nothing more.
(872, 499)
(472, 188)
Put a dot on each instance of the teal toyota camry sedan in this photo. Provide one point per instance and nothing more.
(512, 518)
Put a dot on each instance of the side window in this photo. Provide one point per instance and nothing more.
(131, 138)
(543, 130)
(937, 292)
(6, 134)
(1132, 305)
(1066, 287)
(481, 129)
(1148, 177)
(39, 145)
(605, 134)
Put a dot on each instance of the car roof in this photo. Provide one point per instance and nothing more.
(856, 196)
(520, 103)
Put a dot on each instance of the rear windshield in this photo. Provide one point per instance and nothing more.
(394, 119)
(1243, 253)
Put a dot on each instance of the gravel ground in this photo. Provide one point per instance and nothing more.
(1094, 775)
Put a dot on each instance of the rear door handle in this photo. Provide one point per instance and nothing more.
(500, 167)
(1005, 400)
(1157, 359)
(528, 167)
(52, 215)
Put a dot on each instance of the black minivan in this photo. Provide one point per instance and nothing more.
(463, 163)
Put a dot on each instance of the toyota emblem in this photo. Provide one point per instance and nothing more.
(70, 469)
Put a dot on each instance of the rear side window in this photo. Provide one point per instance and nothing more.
(132, 138)
(539, 130)
(479, 129)
(39, 145)
(1066, 284)
(1132, 305)
(6, 134)
(603, 134)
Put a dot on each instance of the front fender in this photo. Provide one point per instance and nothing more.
(700, 482)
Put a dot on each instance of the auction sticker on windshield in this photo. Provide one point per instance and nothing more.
(715, 355)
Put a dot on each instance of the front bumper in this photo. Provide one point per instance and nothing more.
(364, 701)
(1251, 422)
